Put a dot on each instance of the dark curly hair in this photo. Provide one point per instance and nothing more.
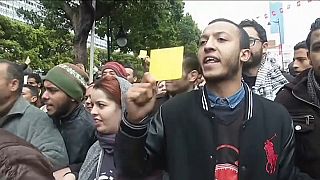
(254, 24)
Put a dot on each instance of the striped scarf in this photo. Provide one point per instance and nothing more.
(313, 87)
(269, 79)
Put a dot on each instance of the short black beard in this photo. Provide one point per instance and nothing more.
(231, 74)
(255, 62)
(63, 110)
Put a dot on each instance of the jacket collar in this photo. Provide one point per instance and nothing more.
(74, 114)
(299, 87)
(18, 108)
(249, 102)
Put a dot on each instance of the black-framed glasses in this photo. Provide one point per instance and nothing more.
(252, 41)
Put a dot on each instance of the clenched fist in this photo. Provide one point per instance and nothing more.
(141, 99)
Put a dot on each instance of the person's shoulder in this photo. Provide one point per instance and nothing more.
(33, 165)
(7, 137)
(94, 150)
(84, 114)
(85, 119)
(14, 149)
(183, 99)
(34, 114)
(36, 110)
(273, 112)
(284, 94)
(271, 107)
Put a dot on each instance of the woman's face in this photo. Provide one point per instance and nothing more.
(106, 112)
(87, 97)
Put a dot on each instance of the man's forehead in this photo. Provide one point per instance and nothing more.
(221, 27)
(129, 69)
(109, 70)
(3, 67)
(26, 90)
(3, 70)
(301, 50)
(31, 80)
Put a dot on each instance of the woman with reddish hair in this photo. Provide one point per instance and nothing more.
(108, 105)
(107, 109)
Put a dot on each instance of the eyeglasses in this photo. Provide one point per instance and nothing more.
(252, 41)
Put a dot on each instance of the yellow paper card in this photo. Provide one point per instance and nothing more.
(166, 64)
(143, 54)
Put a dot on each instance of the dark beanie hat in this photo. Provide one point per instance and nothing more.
(117, 68)
(70, 79)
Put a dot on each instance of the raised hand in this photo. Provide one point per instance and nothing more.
(141, 99)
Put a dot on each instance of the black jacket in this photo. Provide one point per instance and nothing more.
(78, 132)
(306, 119)
(179, 138)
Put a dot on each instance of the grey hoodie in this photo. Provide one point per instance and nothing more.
(93, 155)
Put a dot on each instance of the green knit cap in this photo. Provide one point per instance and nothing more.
(70, 79)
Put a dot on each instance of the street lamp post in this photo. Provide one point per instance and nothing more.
(92, 46)
(109, 37)
(280, 39)
(121, 37)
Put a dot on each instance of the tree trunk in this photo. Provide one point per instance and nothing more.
(82, 23)
(80, 50)
(82, 18)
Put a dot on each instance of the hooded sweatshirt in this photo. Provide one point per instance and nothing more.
(100, 154)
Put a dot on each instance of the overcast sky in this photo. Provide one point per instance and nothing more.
(297, 19)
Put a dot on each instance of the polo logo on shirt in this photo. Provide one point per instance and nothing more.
(272, 156)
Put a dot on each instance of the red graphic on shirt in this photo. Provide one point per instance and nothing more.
(272, 156)
(224, 170)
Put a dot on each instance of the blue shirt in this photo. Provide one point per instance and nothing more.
(230, 102)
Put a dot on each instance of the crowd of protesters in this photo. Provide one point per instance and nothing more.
(234, 114)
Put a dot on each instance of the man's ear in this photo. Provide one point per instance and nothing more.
(193, 76)
(265, 47)
(14, 85)
(34, 99)
(245, 55)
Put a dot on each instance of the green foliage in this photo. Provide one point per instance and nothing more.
(101, 56)
(150, 24)
(188, 34)
(153, 25)
(129, 60)
(44, 47)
